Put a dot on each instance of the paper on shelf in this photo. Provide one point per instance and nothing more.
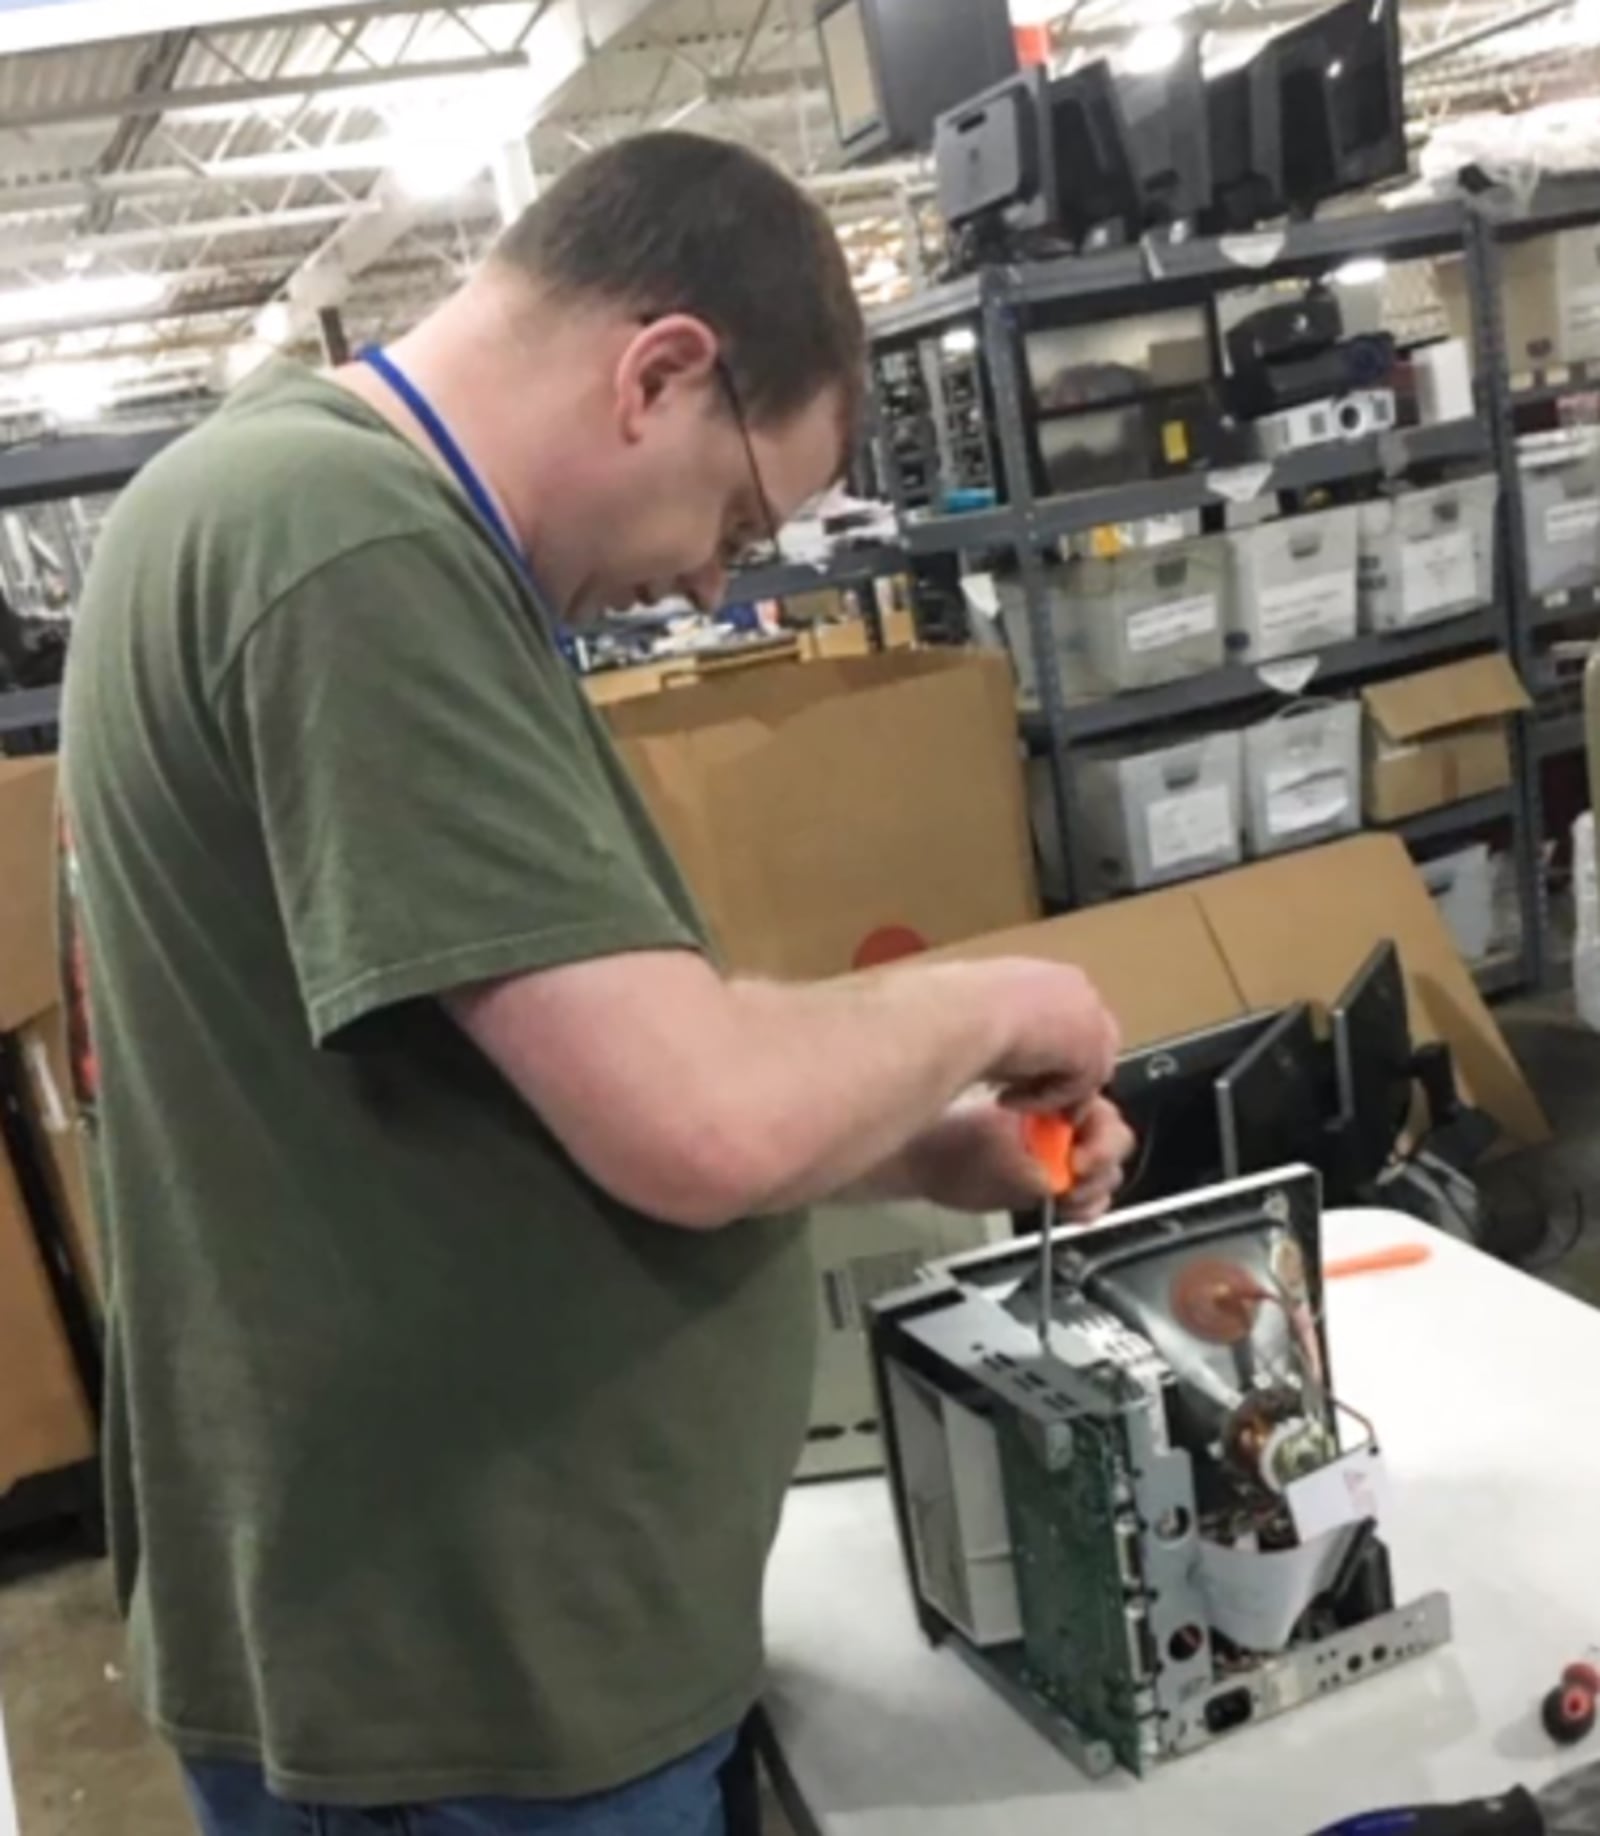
(1172, 623)
(981, 594)
(1301, 797)
(1438, 571)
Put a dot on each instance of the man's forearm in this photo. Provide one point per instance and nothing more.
(698, 1101)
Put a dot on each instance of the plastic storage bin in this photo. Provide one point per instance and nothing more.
(1462, 885)
(1150, 615)
(1560, 482)
(1426, 555)
(1150, 817)
(1302, 777)
(1294, 585)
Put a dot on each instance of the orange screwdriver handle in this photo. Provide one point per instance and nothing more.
(1050, 1140)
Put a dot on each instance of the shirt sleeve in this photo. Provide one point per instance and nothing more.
(436, 806)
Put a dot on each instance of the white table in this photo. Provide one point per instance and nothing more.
(1485, 1386)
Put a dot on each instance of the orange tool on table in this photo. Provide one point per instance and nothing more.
(1050, 1140)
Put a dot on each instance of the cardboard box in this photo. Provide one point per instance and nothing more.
(1439, 737)
(52, 1113)
(1295, 928)
(1549, 301)
(45, 1423)
(849, 638)
(28, 966)
(899, 628)
(834, 816)
(861, 1252)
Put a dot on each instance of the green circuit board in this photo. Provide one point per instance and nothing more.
(1077, 1647)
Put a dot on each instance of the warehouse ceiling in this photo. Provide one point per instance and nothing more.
(173, 202)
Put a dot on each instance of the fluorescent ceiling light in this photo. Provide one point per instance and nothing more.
(1155, 48)
(1362, 271)
(959, 341)
(274, 323)
(61, 302)
(73, 392)
(429, 171)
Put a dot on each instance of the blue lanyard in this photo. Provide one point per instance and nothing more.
(449, 450)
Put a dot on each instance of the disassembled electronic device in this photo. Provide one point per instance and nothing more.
(1141, 1512)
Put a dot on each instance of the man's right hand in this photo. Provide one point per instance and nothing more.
(1060, 1040)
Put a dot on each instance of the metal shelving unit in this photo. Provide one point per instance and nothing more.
(999, 303)
(1563, 202)
(45, 471)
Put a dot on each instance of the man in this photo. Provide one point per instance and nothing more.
(460, 1311)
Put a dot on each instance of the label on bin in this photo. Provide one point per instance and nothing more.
(1194, 825)
(1565, 522)
(1158, 626)
(1301, 797)
(1438, 573)
(1319, 609)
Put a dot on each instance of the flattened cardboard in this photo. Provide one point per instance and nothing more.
(1153, 958)
(45, 1423)
(1293, 928)
(28, 968)
(829, 816)
(1298, 927)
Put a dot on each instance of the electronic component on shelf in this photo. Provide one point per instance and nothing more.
(1317, 111)
(1159, 1525)
(1350, 417)
(1169, 142)
(894, 66)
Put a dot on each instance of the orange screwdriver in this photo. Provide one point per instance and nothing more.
(1050, 1140)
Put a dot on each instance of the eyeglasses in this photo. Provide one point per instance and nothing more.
(764, 550)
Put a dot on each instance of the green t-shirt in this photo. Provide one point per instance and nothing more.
(434, 1471)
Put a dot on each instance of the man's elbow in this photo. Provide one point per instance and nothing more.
(699, 1181)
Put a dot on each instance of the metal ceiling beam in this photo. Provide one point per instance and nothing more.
(129, 242)
(567, 35)
(156, 78)
(250, 95)
(44, 25)
(158, 181)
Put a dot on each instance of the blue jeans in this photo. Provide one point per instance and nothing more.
(683, 1799)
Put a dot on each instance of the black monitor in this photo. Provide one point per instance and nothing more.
(1272, 1102)
(1167, 1092)
(1245, 134)
(1373, 1060)
(894, 66)
(992, 157)
(1165, 116)
(1093, 153)
(1341, 101)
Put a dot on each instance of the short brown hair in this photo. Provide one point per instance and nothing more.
(672, 222)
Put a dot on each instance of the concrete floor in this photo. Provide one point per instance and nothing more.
(85, 1765)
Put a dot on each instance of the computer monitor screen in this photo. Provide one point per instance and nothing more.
(1244, 124)
(991, 156)
(848, 63)
(1372, 1057)
(1165, 113)
(1341, 100)
(1093, 154)
(1167, 1092)
(1272, 1102)
(914, 59)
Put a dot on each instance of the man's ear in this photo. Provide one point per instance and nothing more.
(667, 356)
